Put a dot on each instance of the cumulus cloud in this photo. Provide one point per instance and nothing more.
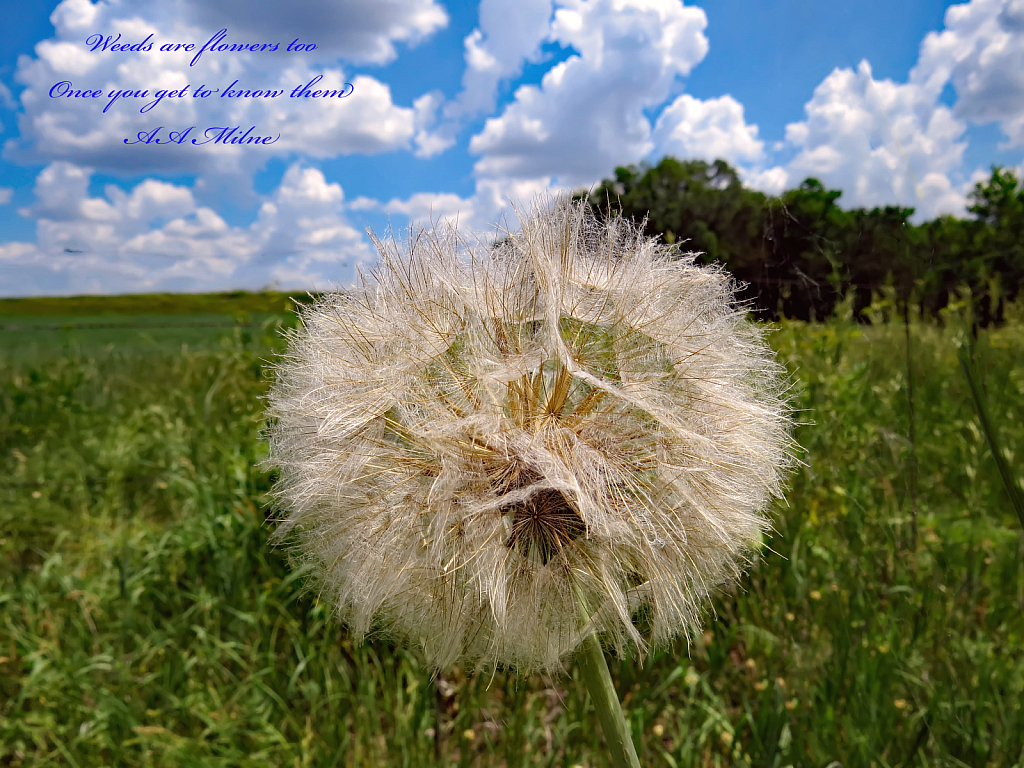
(771, 181)
(77, 130)
(587, 115)
(881, 141)
(363, 31)
(590, 112)
(6, 193)
(884, 142)
(508, 35)
(981, 50)
(6, 99)
(155, 237)
(707, 129)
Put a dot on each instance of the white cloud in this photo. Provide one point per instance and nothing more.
(155, 237)
(429, 140)
(771, 181)
(77, 130)
(6, 193)
(363, 31)
(881, 142)
(488, 211)
(707, 129)
(509, 34)
(587, 115)
(981, 50)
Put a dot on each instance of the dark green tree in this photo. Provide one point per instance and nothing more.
(800, 253)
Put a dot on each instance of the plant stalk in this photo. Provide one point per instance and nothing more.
(990, 435)
(595, 672)
(913, 443)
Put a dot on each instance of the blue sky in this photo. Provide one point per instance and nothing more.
(457, 109)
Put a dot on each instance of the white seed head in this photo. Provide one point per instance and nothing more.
(495, 450)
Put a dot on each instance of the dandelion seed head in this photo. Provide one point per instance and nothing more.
(494, 450)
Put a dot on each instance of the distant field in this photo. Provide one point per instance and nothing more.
(39, 328)
(237, 302)
(144, 620)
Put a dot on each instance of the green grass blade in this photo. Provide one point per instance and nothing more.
(990, 436)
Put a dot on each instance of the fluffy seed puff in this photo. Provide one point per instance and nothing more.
(495, 450)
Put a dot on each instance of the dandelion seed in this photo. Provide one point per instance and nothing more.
(502, 452)
(475, 442)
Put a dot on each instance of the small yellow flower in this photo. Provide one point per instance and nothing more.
(883, 648)
(761, 685)
(468, 734)
(726, 738)
(790, 617)
(751, 664)
(691, 678)
(791, 704)
(658, 730)
(900, 703)
(815, 594)
(780, 682)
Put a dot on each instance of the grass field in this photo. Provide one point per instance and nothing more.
(33, 330)
(144, 620)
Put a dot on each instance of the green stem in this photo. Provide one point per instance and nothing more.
(990, 435)
(613, 723)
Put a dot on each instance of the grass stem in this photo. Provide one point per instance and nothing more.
(990, 435)
(595, 672)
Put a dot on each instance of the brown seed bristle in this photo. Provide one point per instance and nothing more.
(543, 525)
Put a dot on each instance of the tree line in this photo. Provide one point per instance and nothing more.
(799, 253)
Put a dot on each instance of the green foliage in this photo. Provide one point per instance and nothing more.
(800, 254)
(145, 621)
